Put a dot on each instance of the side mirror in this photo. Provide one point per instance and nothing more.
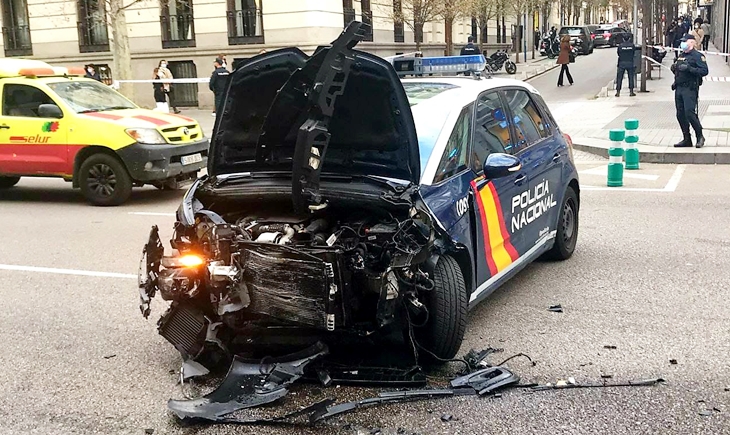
(50, 111)
(500, 165)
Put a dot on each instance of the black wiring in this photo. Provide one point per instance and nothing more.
(518, 355)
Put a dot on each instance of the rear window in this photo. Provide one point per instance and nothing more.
(419, 92)
(573, 31)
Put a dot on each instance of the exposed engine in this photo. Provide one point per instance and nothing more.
(241, 274)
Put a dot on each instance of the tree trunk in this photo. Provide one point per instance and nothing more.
(418, 35)
(449, 35)
(120, 47)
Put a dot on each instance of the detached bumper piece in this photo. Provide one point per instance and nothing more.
(247, 385)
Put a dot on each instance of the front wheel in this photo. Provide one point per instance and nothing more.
(510, 67)
(447, 305)
(104, 180)
(567, 233)
(7, 182)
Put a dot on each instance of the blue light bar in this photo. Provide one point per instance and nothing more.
(451, 65)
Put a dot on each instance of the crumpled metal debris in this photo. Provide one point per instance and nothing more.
(248, 385)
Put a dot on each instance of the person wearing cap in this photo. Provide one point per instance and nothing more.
(626, 50)
(469, 49)
(689, 69)
(218, 83)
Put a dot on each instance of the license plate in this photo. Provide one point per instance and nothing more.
(192, 158)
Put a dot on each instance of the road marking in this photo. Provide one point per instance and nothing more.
(676, 177)
(18, 268)
(671, 186)
(603, 170)
(149, 213)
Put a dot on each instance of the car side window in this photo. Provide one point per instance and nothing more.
(454, 159)
(527, 119)
(491, 129)
(23, 100)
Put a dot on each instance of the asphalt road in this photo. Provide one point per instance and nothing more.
(590, 73)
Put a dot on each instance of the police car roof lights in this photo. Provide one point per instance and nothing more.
(450, 65)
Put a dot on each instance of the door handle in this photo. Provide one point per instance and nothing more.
(520, 179)
(4, 127)
(556, 157)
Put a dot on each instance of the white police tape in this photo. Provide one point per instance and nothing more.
(115, 83)
(707, 79)
(714, 53)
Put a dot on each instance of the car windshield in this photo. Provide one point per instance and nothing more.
(429, 122)
(90, 96)
(573, 31)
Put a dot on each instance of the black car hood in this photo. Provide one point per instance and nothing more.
(269, 99)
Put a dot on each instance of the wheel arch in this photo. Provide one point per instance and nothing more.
(87, 152)
(463, 259)
(576, 188)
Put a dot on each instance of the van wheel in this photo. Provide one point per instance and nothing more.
(104, 180)
(6, 182)
(447, 306)
(567, 234)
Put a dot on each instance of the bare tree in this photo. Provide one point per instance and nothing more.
(452, 9)
(483, 11)
(119, 42)
(416, 13)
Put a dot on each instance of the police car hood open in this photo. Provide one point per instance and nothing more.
(340, 111)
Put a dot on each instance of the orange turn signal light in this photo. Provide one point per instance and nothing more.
(190, 260)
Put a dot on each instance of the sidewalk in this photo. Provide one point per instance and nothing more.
(589, 122)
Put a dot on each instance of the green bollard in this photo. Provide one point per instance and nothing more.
(632, 153)
(615, 159)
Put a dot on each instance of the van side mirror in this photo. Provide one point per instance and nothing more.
(500, 165)
(50, 111)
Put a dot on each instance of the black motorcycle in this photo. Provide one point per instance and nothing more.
(500, 59)
(550, 45)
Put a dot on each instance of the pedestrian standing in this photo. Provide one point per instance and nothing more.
(626, 50)
(689, 69)
(706, 29)
(159, 93)
(698, 33)
(470, 48)
(218, 83)
(166, 74)
(91, 72)
(222, 57)
(564, 60)
(677, 35)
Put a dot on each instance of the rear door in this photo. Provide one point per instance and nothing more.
(497, 244)
(543, 153)
(29, 144)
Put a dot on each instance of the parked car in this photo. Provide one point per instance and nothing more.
(360, 206)
(624, 24)
(609, 35)
(580, 36)
(56, 123)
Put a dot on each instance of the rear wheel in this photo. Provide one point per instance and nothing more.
(104, 180)
(6, 182)
(567, 233)
(447, 305)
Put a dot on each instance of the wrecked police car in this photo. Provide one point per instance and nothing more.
(342, 203)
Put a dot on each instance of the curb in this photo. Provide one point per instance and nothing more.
(660, 154)
(542, 71)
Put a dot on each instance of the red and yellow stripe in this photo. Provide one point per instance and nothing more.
(498, 249)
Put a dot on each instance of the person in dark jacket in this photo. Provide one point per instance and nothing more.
(470, 48)
(688, 71)
(218, 82)
(625, 51)
(91, 72)
(564, 60)
(159, 91)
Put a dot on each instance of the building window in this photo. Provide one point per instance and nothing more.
(16, 31)
(176, 21)
(245, 23)
(367, 18)
(348, 12)
(398, 30)
(93, 31)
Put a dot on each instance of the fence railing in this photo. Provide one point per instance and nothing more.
(399, 32)
(17, 41)
(245, 26)
(93, 35)
(177, 30)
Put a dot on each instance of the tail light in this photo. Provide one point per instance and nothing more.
(606, 35)
(569, 141)
(593, 36)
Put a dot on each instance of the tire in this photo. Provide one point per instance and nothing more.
(567, 234)
(447, 305)
(510, 67)
(551, 56)
(104, 180)
(7, 182)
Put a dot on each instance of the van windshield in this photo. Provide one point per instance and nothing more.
(90, 96)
